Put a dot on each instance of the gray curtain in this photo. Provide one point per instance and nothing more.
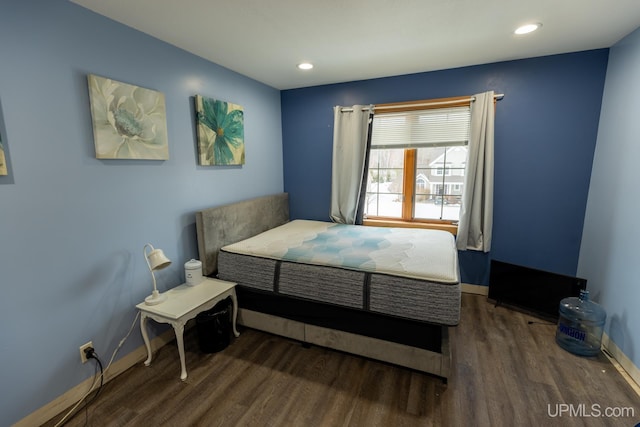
(350, 140)
(476, 212)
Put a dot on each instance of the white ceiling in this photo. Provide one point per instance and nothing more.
(351, 40)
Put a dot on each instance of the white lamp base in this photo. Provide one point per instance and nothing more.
(155, 298)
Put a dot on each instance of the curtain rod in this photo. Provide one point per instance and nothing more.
(497, 97)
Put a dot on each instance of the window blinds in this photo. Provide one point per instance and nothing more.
(442, 127)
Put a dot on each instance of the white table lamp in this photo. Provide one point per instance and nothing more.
(156, 260)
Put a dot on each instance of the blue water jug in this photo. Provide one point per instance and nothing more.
(580, 325)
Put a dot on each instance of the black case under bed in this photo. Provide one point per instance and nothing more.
(385, 327)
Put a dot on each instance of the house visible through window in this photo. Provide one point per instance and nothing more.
(417, 164)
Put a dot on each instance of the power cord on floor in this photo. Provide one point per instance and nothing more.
(91, 354)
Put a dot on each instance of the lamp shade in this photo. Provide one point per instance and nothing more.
(157, 259)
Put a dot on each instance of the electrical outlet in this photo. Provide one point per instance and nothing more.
(83, 356)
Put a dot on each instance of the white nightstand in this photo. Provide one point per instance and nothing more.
(184, 303)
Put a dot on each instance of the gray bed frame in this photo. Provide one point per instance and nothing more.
(220, 226)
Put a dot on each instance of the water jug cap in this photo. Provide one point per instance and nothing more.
(584, 294)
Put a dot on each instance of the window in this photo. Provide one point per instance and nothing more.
(417, 164)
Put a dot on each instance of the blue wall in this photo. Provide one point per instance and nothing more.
(72, 227)
(545, 135)
(609, 252)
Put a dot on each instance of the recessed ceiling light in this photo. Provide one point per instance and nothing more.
(305, 66)
(526, 29)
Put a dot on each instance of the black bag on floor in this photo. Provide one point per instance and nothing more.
(214, 327)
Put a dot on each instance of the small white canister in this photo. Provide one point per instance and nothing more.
(193, 272)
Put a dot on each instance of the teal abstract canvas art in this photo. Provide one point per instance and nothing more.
(220, 127)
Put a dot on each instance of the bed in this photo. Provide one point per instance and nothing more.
(384, 293)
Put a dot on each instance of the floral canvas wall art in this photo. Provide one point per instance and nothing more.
(220, 132)
(129, 122)
(3, 163)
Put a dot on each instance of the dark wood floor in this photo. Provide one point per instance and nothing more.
(506, 372)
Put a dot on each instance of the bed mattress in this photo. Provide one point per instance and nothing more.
(407, 273)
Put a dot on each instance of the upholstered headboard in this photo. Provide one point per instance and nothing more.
(220, 226)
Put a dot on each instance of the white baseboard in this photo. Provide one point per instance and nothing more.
(623, 364)
(71, 397)
(474, 289)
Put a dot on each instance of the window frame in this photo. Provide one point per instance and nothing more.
(407, 219)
